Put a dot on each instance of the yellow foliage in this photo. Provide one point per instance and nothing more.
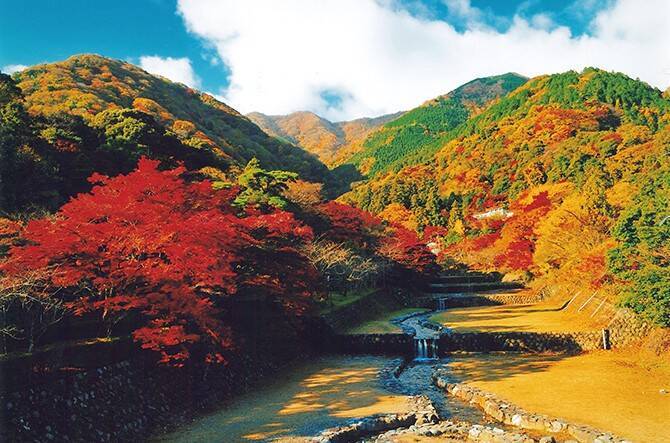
(214, 174)
(183, 128)
(565, 234)
(397, 213)
(621, 194)
(459, 227)
(304, 193)
(366, 165)
(154, 109)
(634, 134)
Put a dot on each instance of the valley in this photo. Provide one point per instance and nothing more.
(491, 265)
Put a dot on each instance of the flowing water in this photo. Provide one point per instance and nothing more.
(416, 379)
(425, 348)
(308, 397)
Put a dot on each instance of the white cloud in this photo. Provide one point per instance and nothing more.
(542, 21)
(176, 69)
(283, 56)
(11, 69)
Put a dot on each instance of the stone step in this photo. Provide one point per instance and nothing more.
(454, 288)
(462, 301)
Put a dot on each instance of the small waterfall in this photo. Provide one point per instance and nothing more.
(442, 303)
(425, 348)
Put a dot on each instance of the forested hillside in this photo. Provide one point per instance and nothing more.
(418, 134)
(332, 142)
(130, 204)
(568, 175)
(62, 121)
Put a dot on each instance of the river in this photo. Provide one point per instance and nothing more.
(310, 396)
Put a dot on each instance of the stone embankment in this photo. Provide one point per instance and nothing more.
(450, 431)
(474, 289)
(421, 420)
(403, 343)
(112, 391)
(374, 344)
(446, 430)
(493, 298)
(513, 415)
(564, 342)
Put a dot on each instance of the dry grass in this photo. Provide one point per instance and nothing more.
(615, 391)
(382, 324)
(543, 317)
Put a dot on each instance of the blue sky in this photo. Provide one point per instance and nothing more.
(38, 31)
(229, 47)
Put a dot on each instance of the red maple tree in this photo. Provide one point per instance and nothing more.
(153, 244)
(349, 224)
(405, 248)
(518, 234)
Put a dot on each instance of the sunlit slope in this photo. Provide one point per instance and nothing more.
(417, 134)
(86, 85)
(332, 142)
(551, 129)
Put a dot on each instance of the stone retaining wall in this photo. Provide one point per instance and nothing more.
(626, 327)
(571, 342)
(482, 299)
(377, 344)
(124, 401)
(403, 344)
(624, 331)
(103, 391)
(513, 415)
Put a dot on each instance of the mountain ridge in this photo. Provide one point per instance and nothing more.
(330, 141)
(400, 139)
(87, 84)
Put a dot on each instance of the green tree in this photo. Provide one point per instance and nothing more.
(261, 188)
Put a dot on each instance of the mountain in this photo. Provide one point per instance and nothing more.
(415, 135)
(332, 142)
(549, 129)
(86, 85)
(60, 122)
(565, 179)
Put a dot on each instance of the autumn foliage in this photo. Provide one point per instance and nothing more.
(405, 248)
(151, 244)
(348, 223)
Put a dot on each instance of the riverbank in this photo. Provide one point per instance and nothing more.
(383, 323)
(302, 400)
(620, 391)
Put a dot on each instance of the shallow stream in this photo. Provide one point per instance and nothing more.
(310, 396)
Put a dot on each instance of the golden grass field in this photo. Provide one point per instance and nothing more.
(618, 391)
(522, 318)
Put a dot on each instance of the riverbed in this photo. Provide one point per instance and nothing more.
(308, 397)
(301, 400)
